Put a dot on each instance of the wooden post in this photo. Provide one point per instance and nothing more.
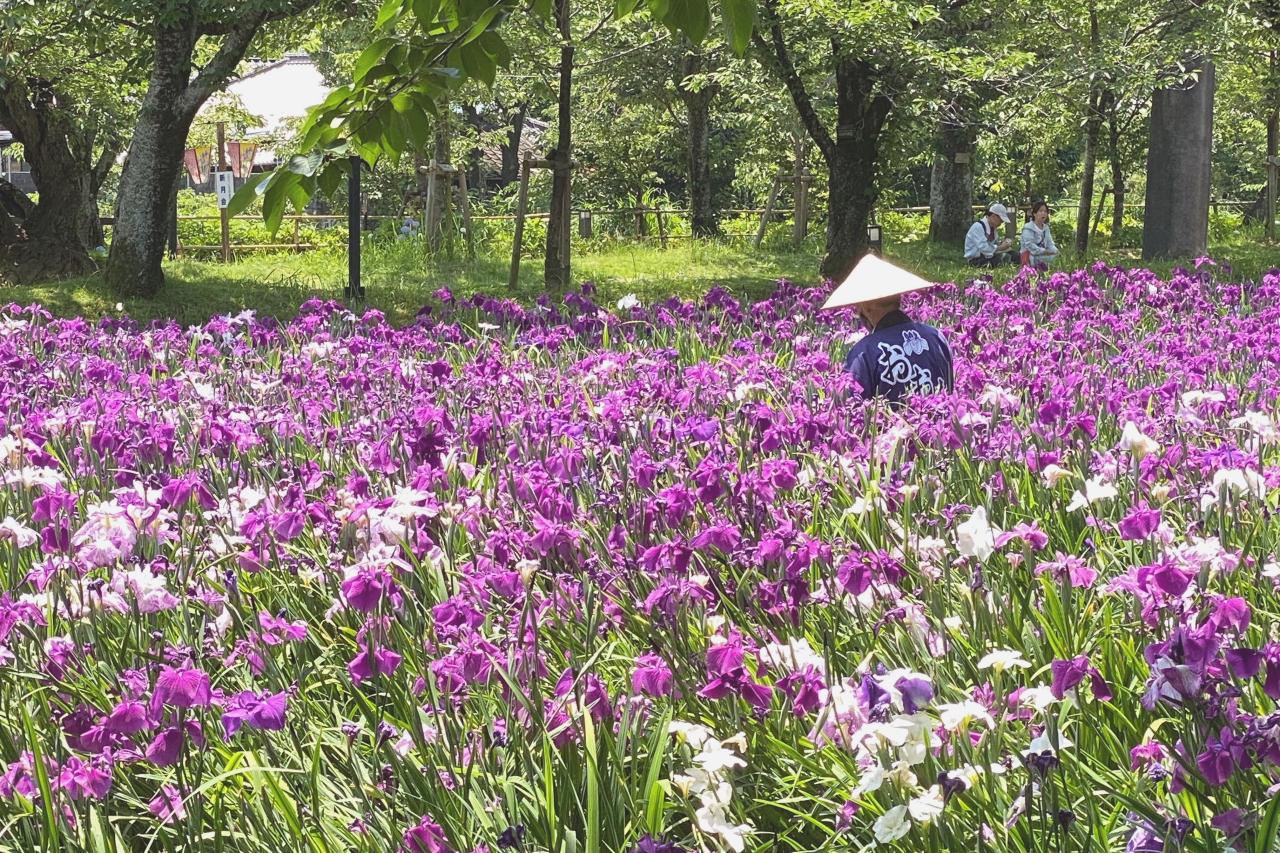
(566, 233)
(222, 167)
(768, 210)
(800, 226)
(799, 190)
(585, 229)
(464, 206)
(297, 236)
(662, 228)
(429, 208)
(1273, 173)
(514, 280)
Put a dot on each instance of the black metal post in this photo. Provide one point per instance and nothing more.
(354, 287)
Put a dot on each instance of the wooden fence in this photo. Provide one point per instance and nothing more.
(586, 218)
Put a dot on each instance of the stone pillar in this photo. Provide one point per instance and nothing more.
(1176, 220)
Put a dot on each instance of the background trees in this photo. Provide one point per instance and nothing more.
(944, 103)
(71, 126)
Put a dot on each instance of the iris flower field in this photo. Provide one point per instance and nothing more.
(592, 578)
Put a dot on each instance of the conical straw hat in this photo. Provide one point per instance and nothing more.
(874, 279)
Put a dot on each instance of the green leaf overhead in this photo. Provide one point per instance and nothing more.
(430, 47)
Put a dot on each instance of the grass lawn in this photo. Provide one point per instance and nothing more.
(399, 278)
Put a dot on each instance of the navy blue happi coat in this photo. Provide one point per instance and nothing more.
(901, 357)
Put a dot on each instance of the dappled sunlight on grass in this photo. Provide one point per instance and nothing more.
(400, 278)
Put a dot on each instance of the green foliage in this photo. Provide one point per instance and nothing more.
(400, 277)
(206, 231)
(419, 52)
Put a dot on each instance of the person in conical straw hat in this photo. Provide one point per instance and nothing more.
(898, 356)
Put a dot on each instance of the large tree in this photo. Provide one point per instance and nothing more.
(951, 173)
(1098, 63)
(851, 152)
(419, 50)
(71, 126)
(869, 58)
(697, 88)
(646, 119)
(196, 47)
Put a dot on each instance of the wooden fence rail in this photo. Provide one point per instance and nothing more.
(660, 214)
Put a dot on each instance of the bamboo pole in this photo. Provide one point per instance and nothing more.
(464, 206)
(514, 279)
(768, 210)
(800, 226)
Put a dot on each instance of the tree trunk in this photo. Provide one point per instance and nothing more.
(697, 106)
(153, 164)
(173, 97)
(10, 226)
(511, 151)
(861, 114)
(15, 207)
(422, 182)
(1257, 212)
(1118, 190)
(951, 181)
(1092, 132)
(642, 218)
(851, 154)
(441, 185)
(473, 160)
(556, 270)
(57, 232)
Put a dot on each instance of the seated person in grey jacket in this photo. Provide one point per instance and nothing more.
(981, 248)
(1038, 249)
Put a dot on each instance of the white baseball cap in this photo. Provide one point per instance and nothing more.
(874, 279)
(1000, 210)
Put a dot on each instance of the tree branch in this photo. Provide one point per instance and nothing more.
(780, 57)
(598, 27)
(223, 64)
(237, 34)
(17, 113)
(231, 25)
(106, 160)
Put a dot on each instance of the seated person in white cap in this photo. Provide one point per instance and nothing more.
(898, 356)
(980, 246)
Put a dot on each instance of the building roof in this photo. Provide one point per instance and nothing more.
(531, 139)
(279, 91)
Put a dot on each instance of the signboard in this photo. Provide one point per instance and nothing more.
(962, 157)
(225, 186)
(199, 162)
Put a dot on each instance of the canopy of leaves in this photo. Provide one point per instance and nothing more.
(420, 52)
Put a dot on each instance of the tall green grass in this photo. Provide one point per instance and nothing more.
(400, 276)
